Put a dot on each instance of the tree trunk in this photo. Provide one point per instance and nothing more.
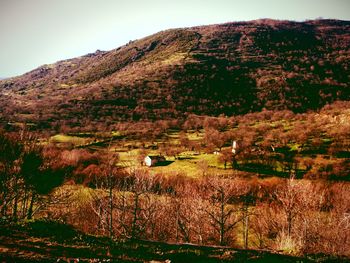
(246, 232)
(24, 204)
(110, 209)
(222, 222)
(234, 163)
(289, 222)
(31, 205)
(177, 224)
(15, 200)
(135, 219)
(15, 208)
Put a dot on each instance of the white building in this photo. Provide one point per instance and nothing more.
(234, 147)
(153, 160)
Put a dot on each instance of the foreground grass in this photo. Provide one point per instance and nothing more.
(48, 241)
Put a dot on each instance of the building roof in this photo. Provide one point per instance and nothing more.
(155, 157)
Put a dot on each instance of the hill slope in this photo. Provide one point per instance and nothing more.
(227, 69)
(42, 241)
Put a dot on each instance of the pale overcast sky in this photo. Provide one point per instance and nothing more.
(36, 32)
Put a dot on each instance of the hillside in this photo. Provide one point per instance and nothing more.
(48, 241)
(232, 68)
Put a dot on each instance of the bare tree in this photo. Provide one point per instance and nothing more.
(203, 166)
(222, 213)
(10, 152)
(247, 195)
(111, 170)
(135, 204)
(103, 204)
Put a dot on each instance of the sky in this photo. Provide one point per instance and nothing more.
(37, 32)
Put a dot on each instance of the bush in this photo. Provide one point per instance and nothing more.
(52, 229)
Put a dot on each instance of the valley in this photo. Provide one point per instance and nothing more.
(250, 122)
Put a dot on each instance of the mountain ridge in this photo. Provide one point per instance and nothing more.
(230, 68)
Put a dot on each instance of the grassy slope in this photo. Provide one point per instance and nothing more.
(45, 241)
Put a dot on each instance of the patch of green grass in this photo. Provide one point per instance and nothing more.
(116, 133)
(212, 159)
(61, 138)
(174, 58)
(195, 136)
(187, 167)
(295, 147)
(188, 164)
(128, 157)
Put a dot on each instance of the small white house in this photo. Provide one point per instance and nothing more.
(151, 160)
